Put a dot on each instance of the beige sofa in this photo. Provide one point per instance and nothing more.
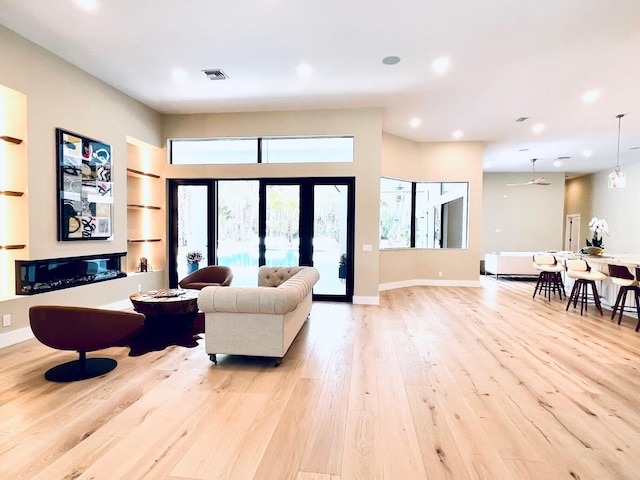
(258, 321)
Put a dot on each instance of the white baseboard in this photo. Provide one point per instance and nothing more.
(366, 300)
(428, 283)
(15, 336)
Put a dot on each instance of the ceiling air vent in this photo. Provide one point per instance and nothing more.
(521, 119)
(215, 74)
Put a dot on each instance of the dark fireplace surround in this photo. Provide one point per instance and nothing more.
(39, 276)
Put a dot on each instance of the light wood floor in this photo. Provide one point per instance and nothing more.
(435, 383)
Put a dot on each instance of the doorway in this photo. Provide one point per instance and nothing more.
(247, 223)
(572, 233)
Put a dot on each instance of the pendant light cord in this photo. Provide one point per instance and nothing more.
(618, 155)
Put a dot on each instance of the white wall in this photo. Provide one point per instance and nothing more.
(590, 197)
(525, 218)
(364, 124)
(440, 162)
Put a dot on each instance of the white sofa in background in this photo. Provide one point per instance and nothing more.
(510, 263)
(258, 321)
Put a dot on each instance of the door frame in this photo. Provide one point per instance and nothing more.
(306, 184)
(572, 220)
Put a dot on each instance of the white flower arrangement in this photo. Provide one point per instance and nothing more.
(194, 256)
(599, 227)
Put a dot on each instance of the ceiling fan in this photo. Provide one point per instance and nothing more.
(533, 181)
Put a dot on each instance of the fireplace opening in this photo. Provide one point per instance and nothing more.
(39, 276)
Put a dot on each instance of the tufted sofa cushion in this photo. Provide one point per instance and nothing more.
(280, 291)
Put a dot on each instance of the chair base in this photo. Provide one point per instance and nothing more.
(549, 282)
(621, 300)
(74, 371)
(579, 292)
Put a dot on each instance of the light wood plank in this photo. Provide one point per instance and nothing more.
(433, 383)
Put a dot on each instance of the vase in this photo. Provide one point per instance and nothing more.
(592, 250)
(192, 267)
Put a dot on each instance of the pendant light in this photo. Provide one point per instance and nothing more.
(617, 179)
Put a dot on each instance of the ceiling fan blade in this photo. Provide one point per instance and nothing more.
(541, 181)
(538, 181)
(520, 184)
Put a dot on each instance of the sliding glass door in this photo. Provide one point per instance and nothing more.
(280, 222)
(238, 242)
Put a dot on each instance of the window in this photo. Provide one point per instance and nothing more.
(225, 151)
(395, 213)
(424, 215)
(235, 151)
(307, 150)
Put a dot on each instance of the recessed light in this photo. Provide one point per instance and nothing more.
(391, 60)
(304, 70)
(440, 65)
(590, 96)
(87, 4)
(538, 128)
(415, 122)
(458, 134)
(587, 153)
(557, 163)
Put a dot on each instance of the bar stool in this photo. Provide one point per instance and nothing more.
(623, 278)
(638, 280)
(550, 278)
(581, 272)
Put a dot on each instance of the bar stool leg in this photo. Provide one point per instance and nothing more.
(596, 297)
(573, 295)
(622, 297)
(583, 297)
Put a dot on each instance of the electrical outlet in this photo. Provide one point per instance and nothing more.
(139, 287)
(439, 274)
(6, 320)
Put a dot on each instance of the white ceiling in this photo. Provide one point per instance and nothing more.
(508, 59)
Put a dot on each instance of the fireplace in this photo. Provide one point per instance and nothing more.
(39, 276)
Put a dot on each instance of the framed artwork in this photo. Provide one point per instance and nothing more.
(85, 188)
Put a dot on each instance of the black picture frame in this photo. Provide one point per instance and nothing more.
(85, 188)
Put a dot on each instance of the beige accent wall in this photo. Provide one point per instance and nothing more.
(61, 95)
(364, 124)
(525, 218)
(590, 197)
(446, 162)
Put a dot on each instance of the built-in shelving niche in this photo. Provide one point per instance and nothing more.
(146, 196)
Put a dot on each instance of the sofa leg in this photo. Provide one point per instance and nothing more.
(277, 361)
(212, 357)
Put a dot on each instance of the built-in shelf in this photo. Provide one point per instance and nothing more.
(132, 171)
(9, 139)
(143, 240)
(12, 247)
(10, 193)
(149, 207)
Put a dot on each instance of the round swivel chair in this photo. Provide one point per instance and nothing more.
(212, 275)
(84, 330)
(583, 276)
